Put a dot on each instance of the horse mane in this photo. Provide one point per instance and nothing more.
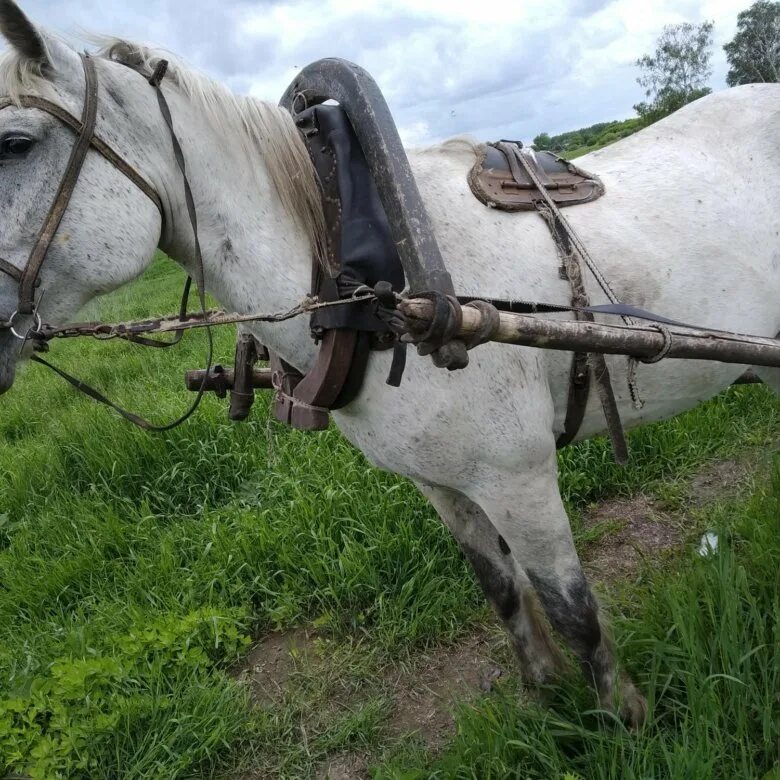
(262, 128)
(21, 76)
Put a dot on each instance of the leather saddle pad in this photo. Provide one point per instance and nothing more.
(501, 184)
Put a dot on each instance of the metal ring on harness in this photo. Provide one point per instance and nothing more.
(36, 329)
(667, 345)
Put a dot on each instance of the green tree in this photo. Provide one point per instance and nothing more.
(542, 142)
(754, 52)
(675, 74)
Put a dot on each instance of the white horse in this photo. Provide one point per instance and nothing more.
(689, 228)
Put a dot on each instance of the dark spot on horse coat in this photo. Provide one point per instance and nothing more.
(572, 610)
(498, 588)
(228, 253)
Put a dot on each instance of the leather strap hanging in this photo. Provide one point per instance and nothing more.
(572, 252)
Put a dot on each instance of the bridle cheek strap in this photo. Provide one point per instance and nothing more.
(67, 185)
(85, 131)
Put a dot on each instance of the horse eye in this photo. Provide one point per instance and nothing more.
(15, 146)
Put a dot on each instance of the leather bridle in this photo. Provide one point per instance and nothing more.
(28, 277)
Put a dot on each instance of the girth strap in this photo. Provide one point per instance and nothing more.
(571, 251)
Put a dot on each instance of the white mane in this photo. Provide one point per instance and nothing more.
(21, 76)
(261, 128)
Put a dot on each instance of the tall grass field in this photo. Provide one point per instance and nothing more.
(137, 569)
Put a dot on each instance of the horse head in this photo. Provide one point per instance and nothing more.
(108, 227)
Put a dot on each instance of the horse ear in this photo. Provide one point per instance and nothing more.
(20, 32)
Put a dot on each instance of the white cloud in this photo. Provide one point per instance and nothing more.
(415, 134)
(509, 69)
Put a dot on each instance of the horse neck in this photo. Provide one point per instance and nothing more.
(256, 257)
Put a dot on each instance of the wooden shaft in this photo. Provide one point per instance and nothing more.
(577, 336)
(261, 379)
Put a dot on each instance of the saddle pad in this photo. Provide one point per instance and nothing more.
(494, 182)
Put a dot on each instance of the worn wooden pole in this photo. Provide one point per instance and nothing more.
(221, 379)
(643, 342)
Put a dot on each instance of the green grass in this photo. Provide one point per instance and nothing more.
(704, 644)
(134, 568)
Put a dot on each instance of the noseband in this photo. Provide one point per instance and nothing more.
(28, 278)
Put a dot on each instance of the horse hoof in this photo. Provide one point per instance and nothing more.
(633, 709)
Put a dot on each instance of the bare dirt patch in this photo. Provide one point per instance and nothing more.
(426, 695)
(638, 528)
(635, 529)
(422, 692)
(267, 668)
(720, 479)
(345, 766)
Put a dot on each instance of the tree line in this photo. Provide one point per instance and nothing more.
(677, 72)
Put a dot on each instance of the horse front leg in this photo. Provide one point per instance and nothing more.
(506, 587)
(527, 511)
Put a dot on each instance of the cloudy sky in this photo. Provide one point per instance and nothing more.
(494, 70)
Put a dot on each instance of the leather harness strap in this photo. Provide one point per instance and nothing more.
(97, 143)
(583, 366)
(12, 271)
(86, 138)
